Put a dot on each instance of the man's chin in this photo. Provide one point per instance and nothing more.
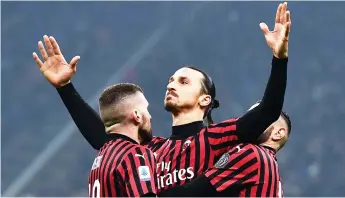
(169, 107)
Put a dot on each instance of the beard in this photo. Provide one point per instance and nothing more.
(145, 135)
(145, 132)
(169, 106)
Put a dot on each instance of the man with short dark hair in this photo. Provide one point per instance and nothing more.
(122, 167)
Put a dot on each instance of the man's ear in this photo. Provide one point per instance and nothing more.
(136, 116)
(205, 100)
(279, 134)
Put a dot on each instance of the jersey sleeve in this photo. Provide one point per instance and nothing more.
(252, 124)
(138, 173)
(223, 135)
(87, 120)
(235, 168)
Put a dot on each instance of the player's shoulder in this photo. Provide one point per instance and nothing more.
(250, 149)
(135, 148)
(260, 152)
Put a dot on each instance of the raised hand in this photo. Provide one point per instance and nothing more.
(278, 39)
(55, 68)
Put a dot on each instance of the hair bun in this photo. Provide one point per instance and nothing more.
(215, 104)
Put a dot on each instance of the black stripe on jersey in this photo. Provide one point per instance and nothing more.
(197, 155)
(153, 166)
(178, 161)
(173, 143)
(224, 144)
(269, 175)
(187, 159)
(218, 135)
(275, 181)
(174, 163)
(124, 165)
(262, 172)
(134, 170)
(248, 176)
(165, 151)
(206, 152)
(248, 191)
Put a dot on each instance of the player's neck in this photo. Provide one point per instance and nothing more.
(272, 145)
(127, 130)
(187, 117)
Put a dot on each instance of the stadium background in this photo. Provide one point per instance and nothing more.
(151, 40)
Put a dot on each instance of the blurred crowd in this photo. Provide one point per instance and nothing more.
(152, 40)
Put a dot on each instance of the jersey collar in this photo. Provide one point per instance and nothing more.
(187, 130)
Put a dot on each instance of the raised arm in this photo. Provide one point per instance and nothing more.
(59, 73)
(251, 125)
(87, 120)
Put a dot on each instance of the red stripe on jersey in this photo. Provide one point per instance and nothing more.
(273, 179)
(267, 175)
(221, 128)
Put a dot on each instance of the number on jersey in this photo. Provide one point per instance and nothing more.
(95, 190)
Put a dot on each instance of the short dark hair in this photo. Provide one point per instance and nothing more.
(287, 120)
(207, 87)
(112, 99)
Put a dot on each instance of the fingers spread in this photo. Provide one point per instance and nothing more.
(48, 45)
(55, 45)
(74, 62)
(283, 13)
(42, 50)
(287, 16)
(264, 28)
(278, 13)
(37, 60)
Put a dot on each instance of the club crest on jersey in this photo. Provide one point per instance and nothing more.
(222, 161)
(186, 144)
(144, 173)
(97, 162)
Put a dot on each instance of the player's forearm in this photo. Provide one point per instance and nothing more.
(254, 122)
(87, 120)
(199, 187)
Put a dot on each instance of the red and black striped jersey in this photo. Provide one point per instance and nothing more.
(247, 170)
(182, 158)
(123, 168)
